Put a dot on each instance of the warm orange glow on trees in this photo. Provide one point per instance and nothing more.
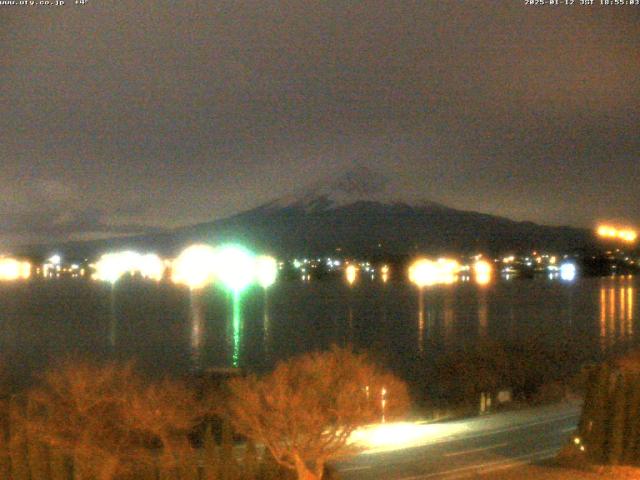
(110, 422)
(305, 411)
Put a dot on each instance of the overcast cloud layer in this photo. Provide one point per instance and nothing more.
(122, 116)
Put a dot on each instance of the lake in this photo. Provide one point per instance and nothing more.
(167, 329)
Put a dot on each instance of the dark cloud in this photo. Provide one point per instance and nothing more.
(163, 113)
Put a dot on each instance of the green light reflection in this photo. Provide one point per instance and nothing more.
(237, 328)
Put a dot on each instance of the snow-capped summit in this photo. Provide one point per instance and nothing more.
(359, 184)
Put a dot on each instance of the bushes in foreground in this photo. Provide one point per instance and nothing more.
(104, 422)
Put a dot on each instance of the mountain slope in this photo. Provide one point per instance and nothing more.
(355, 214)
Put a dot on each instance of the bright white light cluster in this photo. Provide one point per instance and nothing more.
(235, 267)
(196, 267)
(425, 272)
(12, 269)
(568, 272)
(266, 270)
(112, 266)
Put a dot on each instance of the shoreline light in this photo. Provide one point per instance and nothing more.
(194, 267)
(568, 272)
(110, 267)
(384, 273)
(234, 266)
(482, 272)
(351, 274)
(424, 272)
(266, 270)
(625, 234)
(12, 269)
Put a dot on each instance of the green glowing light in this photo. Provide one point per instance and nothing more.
(235, 267)
(237, 329)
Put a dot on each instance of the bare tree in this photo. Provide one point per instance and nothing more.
(165, 413)
(108, 420)
(305, 411)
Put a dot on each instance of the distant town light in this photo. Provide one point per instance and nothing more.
(351, 273)
(568, 272)
(384, 273)
(482, 272)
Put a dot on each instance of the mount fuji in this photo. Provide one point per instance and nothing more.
(355, 215)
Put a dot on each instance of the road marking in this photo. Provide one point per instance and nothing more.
(567, 430)
(489, 466)
(474, 450)
(355, 468)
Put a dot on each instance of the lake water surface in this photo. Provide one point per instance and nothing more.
(167, 329)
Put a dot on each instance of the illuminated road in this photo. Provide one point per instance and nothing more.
(474, 447)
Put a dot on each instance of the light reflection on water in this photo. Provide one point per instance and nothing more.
(617, 311)
(167, 329)
(196, 330)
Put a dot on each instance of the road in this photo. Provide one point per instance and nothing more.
(459, 449)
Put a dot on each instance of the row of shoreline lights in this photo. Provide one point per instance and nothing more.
(425, 272)
(196, 267)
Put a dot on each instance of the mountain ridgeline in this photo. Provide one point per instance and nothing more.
(366, 228)
(372, 228)
(353, 215)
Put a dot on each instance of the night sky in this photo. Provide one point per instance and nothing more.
(126, 116)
